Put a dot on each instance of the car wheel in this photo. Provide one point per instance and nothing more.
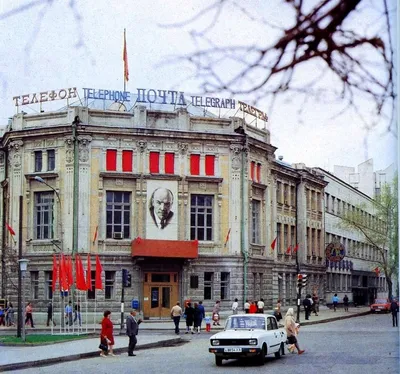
(280, 351)
(218, 361)
(261, 356)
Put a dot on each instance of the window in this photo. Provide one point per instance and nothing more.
(34, 294)
(127, 157)
(201, 217)
(154, 161)
(252, 170)
(255, 221)
(285, 194)
(43, 215)
(292, 195)
(285, 237)
(48, 291)
(91, 294)
(194, 281)
(208, 283)
(195, 164)
(109, 285)
(210, 165)
(258, 173)
(278, 236)
(38, 161)
(51, 160)
(327, 202)
(111, 160)
(169, 163)
(225, 285)
(118, 215)
(278, 192)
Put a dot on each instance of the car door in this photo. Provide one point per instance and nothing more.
(274, 335)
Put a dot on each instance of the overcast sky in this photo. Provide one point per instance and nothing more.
(59, 46)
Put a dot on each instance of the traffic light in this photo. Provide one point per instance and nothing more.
(301, 280)
(126, 278)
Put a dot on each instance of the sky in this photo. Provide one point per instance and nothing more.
(48, 45)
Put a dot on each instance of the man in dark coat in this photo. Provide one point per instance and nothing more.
(307, 307)
(189, 312)
(394, 308)
(132, 329)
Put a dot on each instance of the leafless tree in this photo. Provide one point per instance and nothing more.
(348, 42)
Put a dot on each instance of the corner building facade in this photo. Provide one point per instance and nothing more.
(208, 237)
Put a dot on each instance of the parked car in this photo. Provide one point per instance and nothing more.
(380, 305)
(248, 335)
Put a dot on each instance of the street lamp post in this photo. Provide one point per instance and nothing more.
(41, 180)
(23, 265)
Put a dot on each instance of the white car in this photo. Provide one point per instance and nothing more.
(248, 335)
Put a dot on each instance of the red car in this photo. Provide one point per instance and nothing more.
(380, 305)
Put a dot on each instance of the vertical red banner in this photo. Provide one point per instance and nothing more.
(111, 160)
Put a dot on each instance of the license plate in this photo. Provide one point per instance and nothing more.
(232, 350)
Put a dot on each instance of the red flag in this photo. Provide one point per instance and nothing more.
(95, 234)
(63, 274)
(273, 243)
(54, 280)
(10, 229)
(80, 274)
(377, 271)
(125, 58)
(98, 285)
(289, 250)
(227, 237)
(88, 274)
(296, 248)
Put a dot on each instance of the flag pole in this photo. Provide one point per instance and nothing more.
(124, 59)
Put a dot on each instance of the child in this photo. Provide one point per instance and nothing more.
(208, 323)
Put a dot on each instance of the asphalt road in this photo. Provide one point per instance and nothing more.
(362, 345)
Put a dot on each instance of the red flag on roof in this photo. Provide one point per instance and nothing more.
(10, 229)
(296, 248)
(88, 274)
(273, 243)
(98, 285)
(55, 268)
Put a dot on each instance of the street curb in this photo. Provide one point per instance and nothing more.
(57, 360)
(305, 323)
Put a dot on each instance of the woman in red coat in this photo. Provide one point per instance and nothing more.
(253, 307)
(107, 333)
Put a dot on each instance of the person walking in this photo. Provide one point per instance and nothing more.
(335, 300)
(307, 307)
(2, 316)
(346, 303)
(106, 334)
(189, 312)
(394, 308)
(68, 313)
(28, 315)
(235, 306)
(215, 313)
(198, 317)
(315, 300)
(291, 330)
(260, 306)
(278, 313)
(202, 311)
(132, 329)
(247, 307)
(77, 313)
(176, 313)
(10, 315)
(50, 314)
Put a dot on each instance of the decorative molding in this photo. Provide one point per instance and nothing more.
(83, 144)
(142, 145)
(183, 148)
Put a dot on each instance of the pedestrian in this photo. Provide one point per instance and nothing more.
(291, 330)
(307, 308)
(253, 307)
(335, 300)
(215, 313)
(132, 329)
(106, 334)
(68, 313)
(28, 314)
(278, 313)
(346, 303)
(189, 312)
(260, 306)
(77, 313)
(394, 308)
(247, 307)
(198, 317)
(6, 317)
(202, 311)
(315, 300)
(311, 304)
(208, 323)
(235, 306)
(176, 313)
(50, 314)
(10, 315)
(2, 316)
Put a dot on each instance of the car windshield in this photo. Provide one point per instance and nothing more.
(380, 301)
(245, 322)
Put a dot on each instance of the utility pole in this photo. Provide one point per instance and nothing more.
(299, 284)
(20, 306)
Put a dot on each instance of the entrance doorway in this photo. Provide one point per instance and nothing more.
(160, 293)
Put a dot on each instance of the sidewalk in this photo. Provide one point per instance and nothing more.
(13, 358)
